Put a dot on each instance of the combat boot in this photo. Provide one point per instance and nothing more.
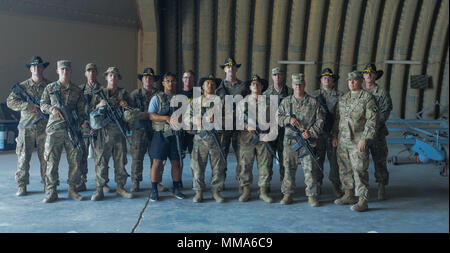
(313, 201)
(106, 188)
(263, 195)
(73, 194)
(98, 195)
(135, 187)
(361, 206)
(347, 199)
(22, 190)
(198, 197)
(122, 192)
(81, 187)
(217, 197)
(51, 196)
(245, 194)
(287, 199)
(381, 191)
(337, 190)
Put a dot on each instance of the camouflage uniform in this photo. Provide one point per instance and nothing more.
(226, 88)
(248, 151)
(110, 142)
(378, 146)
(57, 136)
(142, 132)
(308, 112)
(324, 146)
(29, 133)
(355, 121)
(278, 143)
(203, 147)
(88, 92)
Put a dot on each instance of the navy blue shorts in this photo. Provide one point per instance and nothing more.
(163, 147)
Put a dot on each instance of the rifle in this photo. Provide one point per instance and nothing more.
(302, 142)
(329, 118)
(71, 119)
(177, 138)
(114, 114)
(214, 134)
(22, 94)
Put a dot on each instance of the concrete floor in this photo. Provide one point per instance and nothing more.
(418, 202)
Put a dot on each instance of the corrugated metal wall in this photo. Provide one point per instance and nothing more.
(340, 34)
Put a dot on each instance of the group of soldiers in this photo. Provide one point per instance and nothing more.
(344, 127)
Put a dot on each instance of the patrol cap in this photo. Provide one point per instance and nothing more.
(91, 66)
(148, 72)
(277, 70)
(63, 64)
(370, 67)
(355, 75)
(37, 60)
(230, 62)
(298, 78)
(113, 70)
(209, 77)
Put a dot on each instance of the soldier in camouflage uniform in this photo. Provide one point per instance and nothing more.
(142, 129)
(280, 89)
(328, 96)
(356, 114)
(88, 88)
(303, 112)
(231, 86)
(251, 148)
(164, 140)
(57, 134)
(205, 146)
(378, 146)
(110, 141)
(31, 131)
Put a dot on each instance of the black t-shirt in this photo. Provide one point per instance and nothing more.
(188, 94)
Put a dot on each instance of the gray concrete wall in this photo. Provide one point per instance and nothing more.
(22, 36)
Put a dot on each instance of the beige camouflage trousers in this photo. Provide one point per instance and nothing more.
(264, 162)
(110, 142)
(353, 168)
(278, 147)
(326, 149)
(138, 148)
(54, 144)
(202, 149)
(84, 155)
(26, 141)
(310, 171)
(379, 150)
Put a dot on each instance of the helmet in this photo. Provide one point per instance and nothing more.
(131, 116)
(98, 118)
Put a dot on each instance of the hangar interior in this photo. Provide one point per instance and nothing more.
(407, 39)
